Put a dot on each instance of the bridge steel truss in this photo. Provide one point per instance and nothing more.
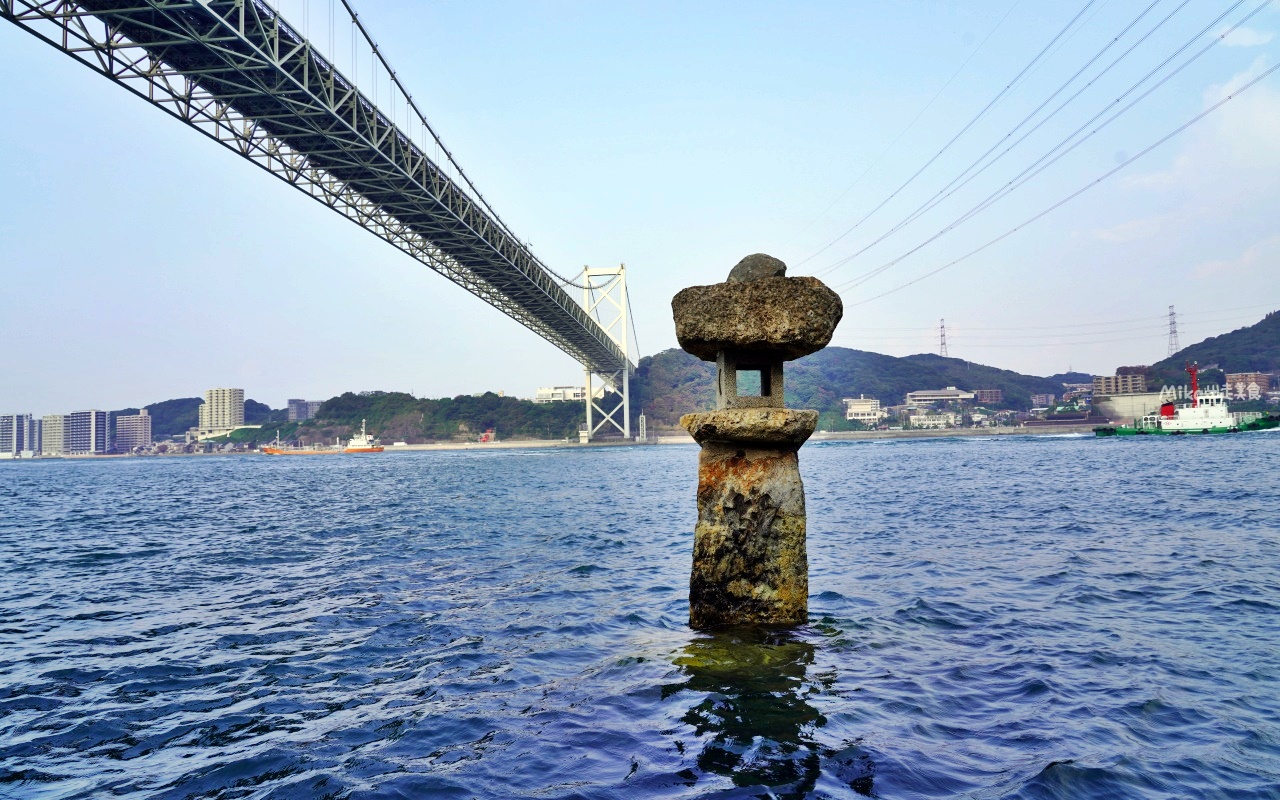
(237, 72)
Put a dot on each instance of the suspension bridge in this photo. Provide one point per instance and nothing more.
(239, 73)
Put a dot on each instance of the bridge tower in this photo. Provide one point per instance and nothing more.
(604, 296)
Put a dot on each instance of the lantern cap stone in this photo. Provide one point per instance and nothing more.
(773, 318)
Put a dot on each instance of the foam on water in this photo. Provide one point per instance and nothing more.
(1036, 617)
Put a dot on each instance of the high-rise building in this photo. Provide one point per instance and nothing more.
(1125, 381)
(222, 410)
(18, 433)
(300, 410)
(54, 440)
(988, 395)
(86, 433)
(133, 431)
(1247, 385)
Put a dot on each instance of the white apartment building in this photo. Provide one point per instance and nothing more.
(561, 394)
(55, 435)
(943, 420)
(133, 431)
(19, 433)
(948, 395)
(221, 411)
(863, 409)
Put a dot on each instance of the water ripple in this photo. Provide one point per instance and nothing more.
(1012, 618)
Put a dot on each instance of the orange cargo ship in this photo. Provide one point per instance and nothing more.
(364, 443)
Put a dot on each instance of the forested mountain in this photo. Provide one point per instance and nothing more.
(1255, 348)
(396, 416)
(169, 417)
(673, 382)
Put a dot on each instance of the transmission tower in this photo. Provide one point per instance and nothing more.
(1173, 331)
(942, 338)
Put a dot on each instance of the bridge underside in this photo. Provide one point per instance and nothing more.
(237, 72)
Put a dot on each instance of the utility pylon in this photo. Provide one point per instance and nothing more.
(1173, 332)
(606, 302)
(942, 338)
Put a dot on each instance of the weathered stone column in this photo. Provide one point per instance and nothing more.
(749, 559)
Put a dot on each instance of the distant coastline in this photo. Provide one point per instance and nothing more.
(665, 439)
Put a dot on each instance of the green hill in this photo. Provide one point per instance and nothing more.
(174, 417)
(169, 417)
(1255, 348)
(396, 416)
(673, 382)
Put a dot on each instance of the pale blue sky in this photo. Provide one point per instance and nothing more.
(142, 261)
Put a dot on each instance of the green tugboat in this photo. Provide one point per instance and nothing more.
(1206, 413)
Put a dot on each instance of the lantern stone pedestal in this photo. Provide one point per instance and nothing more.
(749, 559)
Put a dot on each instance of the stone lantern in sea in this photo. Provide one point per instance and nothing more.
(749, 559)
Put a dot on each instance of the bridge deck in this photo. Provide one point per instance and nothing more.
(239, 73)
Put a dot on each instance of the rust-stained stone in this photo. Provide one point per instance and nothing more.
(773, 427)
(775, 317)
(749, 559)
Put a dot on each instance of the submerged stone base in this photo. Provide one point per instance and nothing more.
(749, 558)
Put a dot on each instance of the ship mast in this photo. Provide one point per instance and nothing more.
(1194, 369)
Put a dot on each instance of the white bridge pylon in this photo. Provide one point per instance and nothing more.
(604, 296)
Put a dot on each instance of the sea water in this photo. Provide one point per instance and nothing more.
(990, 618)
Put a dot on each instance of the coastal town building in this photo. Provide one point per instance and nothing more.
(948, 395)
(221, 413)
(561, 394)
(944, 419)
(988, 395)
(1077, 391)
(1247, 385)
(54, 439)
(86, 433)
(863, 409)
(1131, 383)
(299, 410)
(19, 435)
(133, 431)
(1042, 400)
(222, 409)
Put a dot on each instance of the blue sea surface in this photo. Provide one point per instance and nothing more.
(1012, 617)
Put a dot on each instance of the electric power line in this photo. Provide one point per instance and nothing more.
(962, 132)
(1082, 189)
(1041, 164)
(903, 132)
(951, 188)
